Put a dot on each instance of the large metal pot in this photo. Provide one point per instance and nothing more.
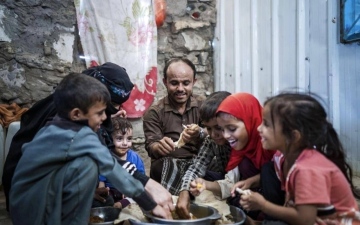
(108, 214)
(205, 215)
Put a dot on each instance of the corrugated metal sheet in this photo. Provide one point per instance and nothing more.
(264, 47)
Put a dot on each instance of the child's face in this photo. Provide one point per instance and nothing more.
(234, 130)
(271, 138)
(122, 141)
(215, 131)
(95, 115)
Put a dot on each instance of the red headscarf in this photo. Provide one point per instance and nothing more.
(246, 108)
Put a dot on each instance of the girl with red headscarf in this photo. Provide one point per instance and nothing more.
(239, 115)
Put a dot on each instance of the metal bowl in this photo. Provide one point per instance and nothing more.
(205, 215)
(238, 215)
(109, 214)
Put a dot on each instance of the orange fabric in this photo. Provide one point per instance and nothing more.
(10, 113)
(246, 108)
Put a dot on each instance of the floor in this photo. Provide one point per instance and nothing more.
(5, 218)
(4, 215)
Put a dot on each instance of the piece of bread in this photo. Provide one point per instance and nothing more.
(180, 142)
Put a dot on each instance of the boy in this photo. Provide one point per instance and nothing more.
(55, 179)
(122, 139)
(213, 156)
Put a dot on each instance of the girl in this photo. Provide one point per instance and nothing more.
(238, 115)
(313, 170)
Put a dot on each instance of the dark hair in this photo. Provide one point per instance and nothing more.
(209, 106)
(184, 60)
(79, 91)
(121, 124)
(302, 112)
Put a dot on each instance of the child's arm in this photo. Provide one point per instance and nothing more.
(301, 214)
(101, 184)
(199, 185)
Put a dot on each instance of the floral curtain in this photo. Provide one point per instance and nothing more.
(123, 32)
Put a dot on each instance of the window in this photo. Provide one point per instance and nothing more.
(350, 21)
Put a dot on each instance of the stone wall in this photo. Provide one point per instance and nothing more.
(39, 45)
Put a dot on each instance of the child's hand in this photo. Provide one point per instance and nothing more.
(117, 205)
(197, 186)
(243, 184)
(101, 193)
(253, 201)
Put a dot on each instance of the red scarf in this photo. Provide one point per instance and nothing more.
(246, 108)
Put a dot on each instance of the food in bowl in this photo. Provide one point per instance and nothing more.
(96, 219)
(176, 216)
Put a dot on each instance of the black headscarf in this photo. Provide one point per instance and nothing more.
(115, 79)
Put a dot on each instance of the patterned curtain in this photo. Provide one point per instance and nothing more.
(122, 32)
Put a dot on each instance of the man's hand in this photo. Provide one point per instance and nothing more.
(162, 212)
(101, 194)
(183, 205)
(163, 147)
(191, 133)
(160, 195)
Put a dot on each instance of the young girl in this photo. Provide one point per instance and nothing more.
(238, 115)
(313, 170)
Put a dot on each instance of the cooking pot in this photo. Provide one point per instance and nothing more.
(108, 214)
(205, 215)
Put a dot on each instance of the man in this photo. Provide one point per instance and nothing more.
(163, 124)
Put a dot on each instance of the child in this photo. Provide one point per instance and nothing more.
(213, 155)
(122, 139)
(313, 170)
(55, 179)
(239, 115)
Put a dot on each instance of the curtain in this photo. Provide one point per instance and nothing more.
(122, 32)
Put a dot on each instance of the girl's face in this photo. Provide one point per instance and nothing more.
(95, 115)
(215, 131)
(271, 136)
(122, 142)
(234, 130)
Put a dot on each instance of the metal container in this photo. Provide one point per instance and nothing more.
(134, 222)
(206, 215)
(238, 216)
(109, 214)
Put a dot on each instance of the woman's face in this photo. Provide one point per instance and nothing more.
(215, 131)
(234, 130)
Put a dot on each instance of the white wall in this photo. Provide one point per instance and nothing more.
(264, 47)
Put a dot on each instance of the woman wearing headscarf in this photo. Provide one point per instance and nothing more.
(117, 81)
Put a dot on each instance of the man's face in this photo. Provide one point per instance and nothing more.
(179, 82)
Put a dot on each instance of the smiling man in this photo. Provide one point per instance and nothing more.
(163, 124)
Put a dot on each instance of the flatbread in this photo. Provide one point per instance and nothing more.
(180, 143)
